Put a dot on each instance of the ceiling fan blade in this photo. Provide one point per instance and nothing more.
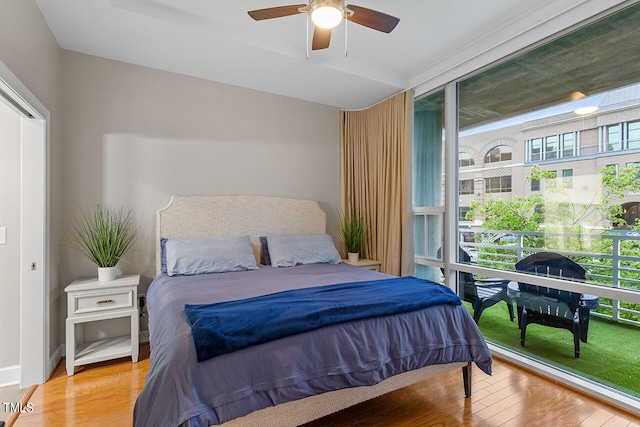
(275, 12)
(373, 19)
(321, 38)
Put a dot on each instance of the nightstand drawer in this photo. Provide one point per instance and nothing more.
(91, 303)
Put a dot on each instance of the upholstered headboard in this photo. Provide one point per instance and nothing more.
(209, 216)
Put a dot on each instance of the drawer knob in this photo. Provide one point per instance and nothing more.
(105, 301)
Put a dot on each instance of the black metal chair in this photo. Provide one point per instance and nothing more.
(548, 306)
(482, 293)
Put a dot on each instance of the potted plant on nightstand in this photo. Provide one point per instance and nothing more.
(103, 234)
(353, 232)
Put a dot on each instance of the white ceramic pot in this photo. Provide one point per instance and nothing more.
(106, 274)
(353, 257)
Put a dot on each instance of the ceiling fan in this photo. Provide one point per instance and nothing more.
(327, 14)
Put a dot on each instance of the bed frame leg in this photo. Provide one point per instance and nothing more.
(466, 378)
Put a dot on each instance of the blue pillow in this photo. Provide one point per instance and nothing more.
(210, 255)
(287, 250)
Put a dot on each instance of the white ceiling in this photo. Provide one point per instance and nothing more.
(217, 40)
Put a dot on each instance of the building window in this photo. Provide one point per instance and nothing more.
(535, 185)
(465, 159)
(620, 136)
(637, 166)
(553, 147)
(567, 178)
(535, 150)
(633, 135)
(568, 144)
(498, 184)
(466, 187)
(630, 214)
(613, 135)
(462, 213)
(501, 153)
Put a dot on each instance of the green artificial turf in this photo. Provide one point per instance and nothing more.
(611, 356)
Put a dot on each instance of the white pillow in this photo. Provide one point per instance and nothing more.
(210, 255)
(287, 250)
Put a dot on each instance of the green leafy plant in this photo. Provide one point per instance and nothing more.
(103, 234)
(353, 231)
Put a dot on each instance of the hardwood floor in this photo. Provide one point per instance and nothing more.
(103, 394)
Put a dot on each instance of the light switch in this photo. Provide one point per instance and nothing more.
(3, 235)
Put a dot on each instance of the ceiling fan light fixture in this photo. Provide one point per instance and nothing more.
(327, 14)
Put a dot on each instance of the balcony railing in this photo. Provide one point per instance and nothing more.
(610, 260)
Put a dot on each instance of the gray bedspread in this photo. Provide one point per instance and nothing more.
(181, 391)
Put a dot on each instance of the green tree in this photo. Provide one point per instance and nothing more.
(604, 208)
(542, 213)
(518, 214)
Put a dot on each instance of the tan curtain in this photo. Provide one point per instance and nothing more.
(375, 169)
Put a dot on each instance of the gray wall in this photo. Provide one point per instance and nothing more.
(134, 136)
(10, 253)
(30, 52)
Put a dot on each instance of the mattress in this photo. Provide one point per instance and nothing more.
(181, 391)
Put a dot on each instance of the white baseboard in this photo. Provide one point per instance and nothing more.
(9, 375)
(55, 359)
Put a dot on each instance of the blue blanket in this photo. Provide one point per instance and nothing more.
(229, 326)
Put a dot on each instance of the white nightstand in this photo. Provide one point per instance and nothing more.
(89, 300)
(369, 264)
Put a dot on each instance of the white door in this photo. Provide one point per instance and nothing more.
(34, 301)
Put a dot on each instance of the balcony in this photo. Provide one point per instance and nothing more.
(611, 261)
(611, 357)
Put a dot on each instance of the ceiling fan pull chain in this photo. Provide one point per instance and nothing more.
(346, 20)
(307, 44)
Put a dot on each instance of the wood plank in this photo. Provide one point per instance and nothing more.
(103, 394)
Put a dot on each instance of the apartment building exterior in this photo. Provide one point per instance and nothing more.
(494, 162)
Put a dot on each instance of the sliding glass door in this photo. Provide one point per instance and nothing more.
(548, 155)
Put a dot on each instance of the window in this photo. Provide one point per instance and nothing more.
(501, 153)
(466, 187)
(594, 59)
(462, 213)
(630, 214)
(499, 184)
(621, 136)
(535, 185)
(551, 181)
(567, 178)
(551, 147)
(465, 159)
(428, 183)
(633, 135)
(637, 166)
(613, 137)
(568, 144)
(535, 150)
(555, 147)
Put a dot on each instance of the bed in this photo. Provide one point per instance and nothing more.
(293, 379)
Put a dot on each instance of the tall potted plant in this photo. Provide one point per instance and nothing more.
(103, 234)
(353, 232)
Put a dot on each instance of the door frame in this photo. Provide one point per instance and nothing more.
(34, 230)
